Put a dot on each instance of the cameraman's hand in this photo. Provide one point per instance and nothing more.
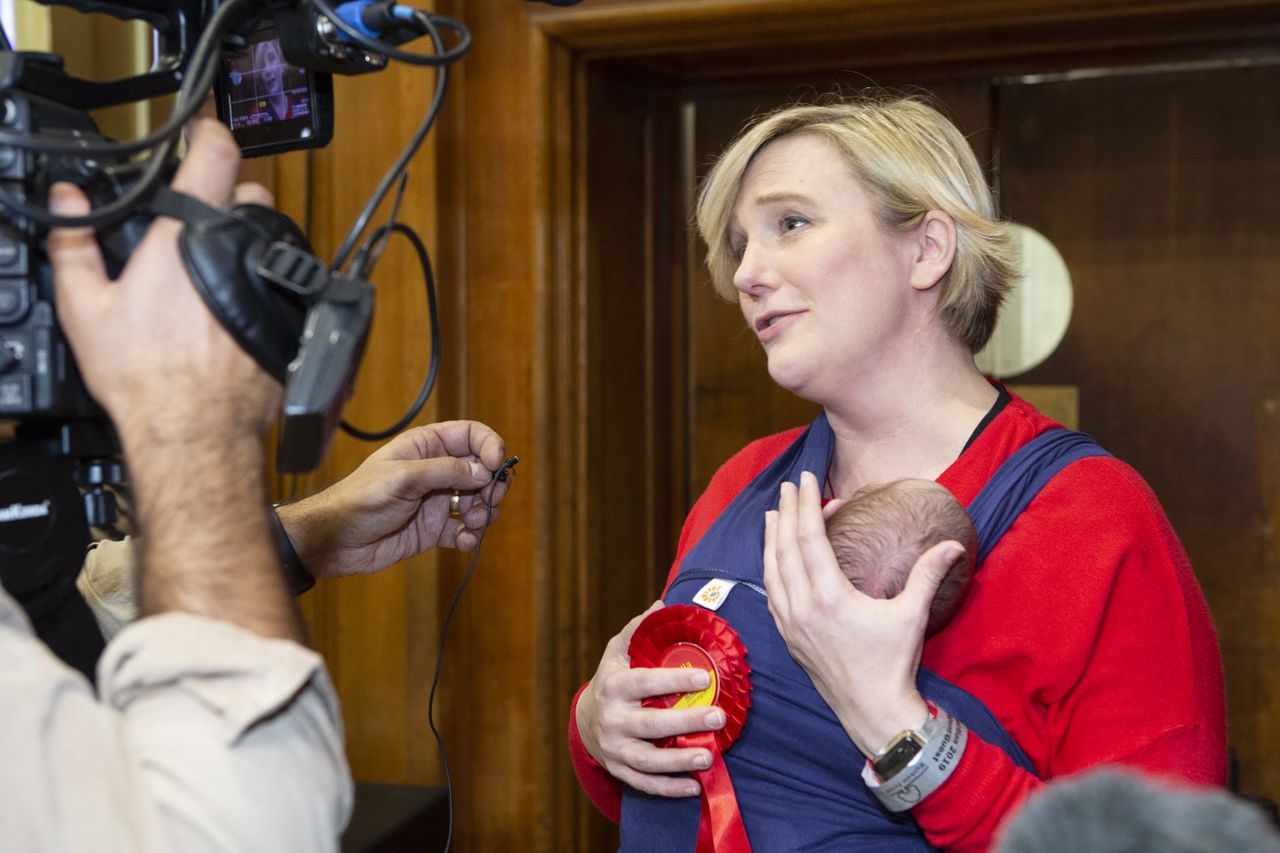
(190, 407)
(149, 349)
(396, 504)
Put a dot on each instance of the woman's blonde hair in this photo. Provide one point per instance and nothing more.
(911, 160)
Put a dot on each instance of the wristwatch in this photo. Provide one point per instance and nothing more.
(295, 574)
(916, 761)
(891, 760)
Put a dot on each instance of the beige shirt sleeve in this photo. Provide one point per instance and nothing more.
(207, 738)
(108, 582)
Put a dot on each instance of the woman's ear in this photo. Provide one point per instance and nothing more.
(935, 248)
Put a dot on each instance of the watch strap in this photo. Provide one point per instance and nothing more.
(945, 738)
(295, 574)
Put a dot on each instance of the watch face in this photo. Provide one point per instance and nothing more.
(897, 755)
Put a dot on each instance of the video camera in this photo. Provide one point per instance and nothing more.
(305, 321)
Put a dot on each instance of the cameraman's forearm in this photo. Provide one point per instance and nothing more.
(207, 545)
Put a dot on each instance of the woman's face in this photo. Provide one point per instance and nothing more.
(821, 282)
(270, 66)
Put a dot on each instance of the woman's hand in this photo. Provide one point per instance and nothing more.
(616, 729)
(861, 652)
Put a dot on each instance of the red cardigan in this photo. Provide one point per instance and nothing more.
(1084, 632)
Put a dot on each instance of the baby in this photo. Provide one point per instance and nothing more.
(880, 532)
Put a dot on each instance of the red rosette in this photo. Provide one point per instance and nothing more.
(685, 635)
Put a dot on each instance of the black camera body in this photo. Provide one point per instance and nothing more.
(38, 377)
(56, 469)
(303, 322)
(261, 306)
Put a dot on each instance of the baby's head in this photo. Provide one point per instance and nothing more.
(880, 532)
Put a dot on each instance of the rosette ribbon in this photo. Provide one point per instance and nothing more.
(684, 635)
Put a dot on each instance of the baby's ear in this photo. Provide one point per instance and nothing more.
(832, 506)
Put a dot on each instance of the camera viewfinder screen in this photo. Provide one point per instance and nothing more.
(261, 88)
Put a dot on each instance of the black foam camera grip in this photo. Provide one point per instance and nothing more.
(221, 255)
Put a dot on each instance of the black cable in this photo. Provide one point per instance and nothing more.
(397, 167)
(308, 207)
(199, 78)
(203, 67)
(434, 317)
(498, 476)
(372, 250)
(439, 58)
(215, 28)
(209, 41)
(201, 70)
(108, 213)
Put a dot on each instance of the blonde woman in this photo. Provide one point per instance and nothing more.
(862, 243)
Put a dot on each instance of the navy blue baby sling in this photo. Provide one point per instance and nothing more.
(795, 771)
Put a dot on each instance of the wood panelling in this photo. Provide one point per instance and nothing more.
(737, 39)
(634, 440)
(576, 324)
(99, 48)
(1254, 693)
(1160, 192)
(379, 634)
(499, 720)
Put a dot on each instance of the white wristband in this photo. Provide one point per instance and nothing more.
(945, 741)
